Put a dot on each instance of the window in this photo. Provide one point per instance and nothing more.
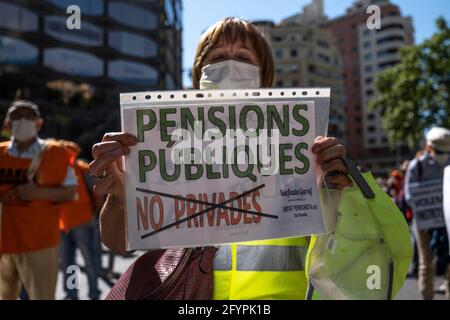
(132, 44)
(386, 52)
(371, 129)
(89, 35)
(367, 44)
(389, 39)
(368, 69)
(294, 68)
(392, 26)
(277, 38)
(323, 58)
(17, 18)
(385, 65)
(132, 72)
(279, 53)
(372, 141)
(323, 44)
(369, 80)
(369, 92)
(88, 7)
(280, 83)
(367, 56)
(132, 16)
(73, 62)
(294, 53)
(16, 51)
(371, 116)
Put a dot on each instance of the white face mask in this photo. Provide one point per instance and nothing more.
(230, 74)
(23, 129)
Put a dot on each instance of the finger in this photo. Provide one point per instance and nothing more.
(103, 185)
(335, 165)
(339, 181)
(124, 138)
(103, 147)
(98, 166)
(323, 143)
(334, 152)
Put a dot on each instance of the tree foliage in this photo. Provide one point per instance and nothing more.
(414, 94)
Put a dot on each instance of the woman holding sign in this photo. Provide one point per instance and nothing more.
(232, 54)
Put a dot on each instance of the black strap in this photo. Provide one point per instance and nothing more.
(309, 291)
(354, 172)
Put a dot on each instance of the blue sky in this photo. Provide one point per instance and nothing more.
(200, 14)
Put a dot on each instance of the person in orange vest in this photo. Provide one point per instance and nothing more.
(79, 230)
(36, 176)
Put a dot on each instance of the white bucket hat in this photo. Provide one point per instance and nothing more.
(439, 139)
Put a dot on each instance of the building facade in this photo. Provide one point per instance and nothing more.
(305, 56)
(121, 46)
(365, 54)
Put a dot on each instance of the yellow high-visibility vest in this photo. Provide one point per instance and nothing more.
(268, 269)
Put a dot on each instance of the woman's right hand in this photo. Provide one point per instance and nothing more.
(107, 164)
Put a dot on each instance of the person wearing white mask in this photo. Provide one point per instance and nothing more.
(429, 166)
(35, 176)
(231, 54)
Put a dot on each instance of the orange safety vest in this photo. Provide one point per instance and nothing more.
(31, 225)
(80, 211)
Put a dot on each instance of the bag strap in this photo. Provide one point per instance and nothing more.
(35, 162)
(354, 172)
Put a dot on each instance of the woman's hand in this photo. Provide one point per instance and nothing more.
(107, 165)
(330, 157)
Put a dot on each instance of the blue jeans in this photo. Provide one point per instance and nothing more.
(87, 239)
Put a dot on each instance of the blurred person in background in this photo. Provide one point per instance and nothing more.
(36, 176)
(396, 185)
(429, 165)
(78, 225)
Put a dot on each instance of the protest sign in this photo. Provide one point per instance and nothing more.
(446, 194)
(222, 166)
(427, 204)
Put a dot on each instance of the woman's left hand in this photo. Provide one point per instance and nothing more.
(330, 157)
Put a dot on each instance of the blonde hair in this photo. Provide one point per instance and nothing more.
(230, 30)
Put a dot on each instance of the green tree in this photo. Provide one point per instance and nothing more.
(414, 94)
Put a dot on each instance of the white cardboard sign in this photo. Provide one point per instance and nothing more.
(426, 203)
(215, 167)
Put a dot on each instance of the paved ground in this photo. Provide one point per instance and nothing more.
(408, 292)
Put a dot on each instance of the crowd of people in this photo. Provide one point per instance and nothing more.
(431, 244)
